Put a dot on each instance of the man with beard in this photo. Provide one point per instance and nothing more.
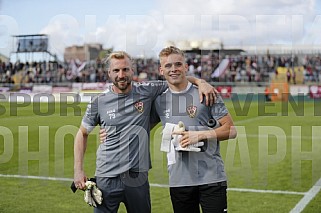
(123, 160)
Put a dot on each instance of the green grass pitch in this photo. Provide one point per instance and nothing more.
(273, 163)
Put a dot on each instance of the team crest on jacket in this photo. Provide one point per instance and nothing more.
(191, 111)
(139, 106)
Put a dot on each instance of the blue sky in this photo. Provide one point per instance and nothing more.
(34, 15)
(143, 27)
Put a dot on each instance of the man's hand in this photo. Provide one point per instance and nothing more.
(207, 90)
(190, 140)
(189, 137)
(80, 179)
(102, 135)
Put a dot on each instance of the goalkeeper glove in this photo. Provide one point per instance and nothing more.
(180, 127)
(93, 195)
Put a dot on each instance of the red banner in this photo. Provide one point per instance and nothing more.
(315, 91)
(225, 91)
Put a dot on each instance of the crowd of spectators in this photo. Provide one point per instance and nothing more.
(241, 68)
(254, 68)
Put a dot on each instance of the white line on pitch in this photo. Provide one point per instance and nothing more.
(156, 185)
(287, 136)
(307, 197)
(266, 191)
(36, 177)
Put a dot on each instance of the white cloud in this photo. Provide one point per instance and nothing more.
(64, 30)
(242, 22)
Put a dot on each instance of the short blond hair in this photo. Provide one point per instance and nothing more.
(171, 50)
(116, 55)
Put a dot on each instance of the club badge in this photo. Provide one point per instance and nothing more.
(139, 106)
(191, 111)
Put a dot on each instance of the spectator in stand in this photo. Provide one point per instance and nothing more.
(294, 76)
(267, 94)
(288, 75)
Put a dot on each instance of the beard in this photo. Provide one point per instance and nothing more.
(122, 83)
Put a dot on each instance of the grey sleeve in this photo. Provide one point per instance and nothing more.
(153, 88)
(162, 87)
(219, 110)
(91, 117)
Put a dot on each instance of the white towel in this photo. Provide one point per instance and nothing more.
(167, 137)
(167, 143)
(170, 143)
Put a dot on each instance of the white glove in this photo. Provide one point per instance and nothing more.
(180, 127)
(93, 195)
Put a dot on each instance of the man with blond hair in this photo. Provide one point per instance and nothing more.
(196, 175)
